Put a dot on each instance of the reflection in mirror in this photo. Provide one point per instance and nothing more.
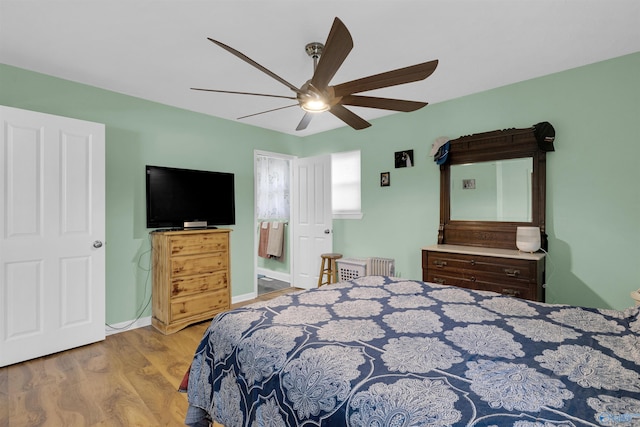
(492, 191)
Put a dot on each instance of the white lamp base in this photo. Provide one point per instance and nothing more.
(528, 239)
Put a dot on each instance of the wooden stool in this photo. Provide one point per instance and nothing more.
(328, 268)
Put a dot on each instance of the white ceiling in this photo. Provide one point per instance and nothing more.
(157, 50)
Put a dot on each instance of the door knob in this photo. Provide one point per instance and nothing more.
(327, 231)
(97, 244)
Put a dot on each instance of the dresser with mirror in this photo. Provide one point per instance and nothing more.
(491, 184)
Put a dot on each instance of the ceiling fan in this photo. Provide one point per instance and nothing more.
(316, 96)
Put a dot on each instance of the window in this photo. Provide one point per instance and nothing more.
(272, 187)
(345, 185)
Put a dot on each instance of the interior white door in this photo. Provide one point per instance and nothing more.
(312, 218)
(52, 227)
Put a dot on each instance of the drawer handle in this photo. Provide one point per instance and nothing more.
(439, 263)
(472, 278)
(511, 292)
(438, 280)
(473, 262)
(512, 272)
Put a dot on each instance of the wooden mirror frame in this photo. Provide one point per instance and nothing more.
(483, 147)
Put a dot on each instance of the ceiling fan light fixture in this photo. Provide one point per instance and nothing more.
(315, 105)
(317, 96)
(313, 101)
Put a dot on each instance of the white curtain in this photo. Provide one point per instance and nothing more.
(272, 180)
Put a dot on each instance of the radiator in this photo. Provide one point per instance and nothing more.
(380, 266)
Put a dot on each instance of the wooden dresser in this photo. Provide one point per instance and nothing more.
(505, 271)
(191, 277)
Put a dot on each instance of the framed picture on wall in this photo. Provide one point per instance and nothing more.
(385, 179)
(403, 159)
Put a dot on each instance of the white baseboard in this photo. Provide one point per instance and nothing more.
(146, 321)
(127, 326)
(243, 298)
(279, 275)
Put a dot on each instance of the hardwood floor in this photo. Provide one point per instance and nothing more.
(129, 379)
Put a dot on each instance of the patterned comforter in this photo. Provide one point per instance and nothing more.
(380, 351)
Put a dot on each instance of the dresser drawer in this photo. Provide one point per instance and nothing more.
(188, 285)
(510, 273)
(508, 269)
(482, 283)
(195, 305)
(197, 244)
(198, 264)
(191, 277)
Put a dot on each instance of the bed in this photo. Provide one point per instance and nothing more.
(381, 351)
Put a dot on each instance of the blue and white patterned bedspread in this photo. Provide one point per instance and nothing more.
(380, 351)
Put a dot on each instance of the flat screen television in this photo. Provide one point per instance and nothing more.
(185, 198)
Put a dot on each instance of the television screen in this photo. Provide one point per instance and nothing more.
(184, 198)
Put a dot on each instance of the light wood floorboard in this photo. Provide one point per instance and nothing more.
(129, 379)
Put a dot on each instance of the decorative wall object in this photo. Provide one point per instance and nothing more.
(468, 184)
(385, 179)
(404, 159)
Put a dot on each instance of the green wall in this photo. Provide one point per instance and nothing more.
(593, 203)
(593, 197)
(140, 132)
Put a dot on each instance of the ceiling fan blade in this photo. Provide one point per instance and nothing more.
(244, 93)
(349, 117)
(338, 45)
(255, 64)
(400, 76)
(382, 103)
(305, 121)
(268, 111)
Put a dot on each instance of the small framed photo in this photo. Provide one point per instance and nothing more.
(468, 184)
(385, 179)
(403, 159)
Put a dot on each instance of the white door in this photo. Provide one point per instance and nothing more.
(312, 218)
(52, 225)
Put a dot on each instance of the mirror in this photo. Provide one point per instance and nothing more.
(498, 190)
(492, 183)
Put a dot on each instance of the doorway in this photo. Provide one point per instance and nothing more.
(302, 209)
(272, 201)
(52, 227)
